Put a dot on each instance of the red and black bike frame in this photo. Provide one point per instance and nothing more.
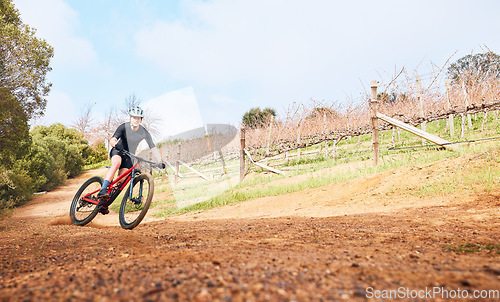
(113, 192)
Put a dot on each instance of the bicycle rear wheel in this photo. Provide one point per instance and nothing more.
(135, 206)
(81, 211)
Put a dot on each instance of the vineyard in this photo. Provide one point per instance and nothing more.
(214, 169)
(406, 100)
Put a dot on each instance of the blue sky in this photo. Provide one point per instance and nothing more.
(236, 55)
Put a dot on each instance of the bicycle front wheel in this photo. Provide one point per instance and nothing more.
(81, 211)
(136, 202)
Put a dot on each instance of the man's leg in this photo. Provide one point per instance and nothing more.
(116, 161)
(120, 172)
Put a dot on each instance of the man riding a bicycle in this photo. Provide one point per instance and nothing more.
(126, 137)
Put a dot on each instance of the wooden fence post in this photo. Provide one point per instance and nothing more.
(334, 148)
(485, 113)
(298, 141)
(466, 99)
(394, 137)
(450, 118)
(423, 126)
(374, 120)
(485, 117)
(462, 128)
(177, 163)
(242, 153)
(223, 162)
(414, 130)
(269, 135)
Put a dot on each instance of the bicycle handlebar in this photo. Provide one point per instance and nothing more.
(156, 165)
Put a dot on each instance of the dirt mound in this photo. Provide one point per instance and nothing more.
(384, 192)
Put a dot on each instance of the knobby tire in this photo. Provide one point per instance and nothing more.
(82, 212)
(133, 211)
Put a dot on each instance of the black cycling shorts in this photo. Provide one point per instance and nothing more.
(126, 160)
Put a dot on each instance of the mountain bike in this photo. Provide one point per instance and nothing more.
(135, 202)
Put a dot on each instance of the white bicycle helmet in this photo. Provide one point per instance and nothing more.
(136, 111)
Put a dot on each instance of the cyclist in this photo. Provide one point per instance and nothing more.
(126, 137)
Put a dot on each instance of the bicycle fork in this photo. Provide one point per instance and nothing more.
(138, 200)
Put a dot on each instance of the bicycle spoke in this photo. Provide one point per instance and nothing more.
(82, 211)
(136, 202)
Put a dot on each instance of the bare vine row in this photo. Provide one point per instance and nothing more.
(307, 125)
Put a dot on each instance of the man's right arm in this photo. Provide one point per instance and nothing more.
(113, 141)
(116, 136)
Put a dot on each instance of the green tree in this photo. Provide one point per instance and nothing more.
(256, 117)
(24, 61)
(475, 67)
(42, 167)
(14, 131)
(69, 135)
(392, 98)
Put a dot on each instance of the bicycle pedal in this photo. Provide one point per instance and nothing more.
(103, 211)
(103, 196)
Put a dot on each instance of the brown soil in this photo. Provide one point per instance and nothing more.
(339, 242)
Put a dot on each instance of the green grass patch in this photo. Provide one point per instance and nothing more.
(318, 158)
(442, 188)
(474, 248)
(101, 164)
(481, 174)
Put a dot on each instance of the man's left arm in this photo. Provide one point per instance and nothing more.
(155, 150)
(157, 154)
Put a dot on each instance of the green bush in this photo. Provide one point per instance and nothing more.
(96, 154)
(46, 163)
(74, 161)
(49, 156)
(67, 146)
(16, 186)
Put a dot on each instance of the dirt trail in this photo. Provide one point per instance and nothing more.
(344, 241)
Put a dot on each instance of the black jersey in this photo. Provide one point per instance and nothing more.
(129, 139)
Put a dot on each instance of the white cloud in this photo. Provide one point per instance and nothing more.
(275, 51)
(56, 22)
(285, 50)
(296, 50)
(224, 42)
